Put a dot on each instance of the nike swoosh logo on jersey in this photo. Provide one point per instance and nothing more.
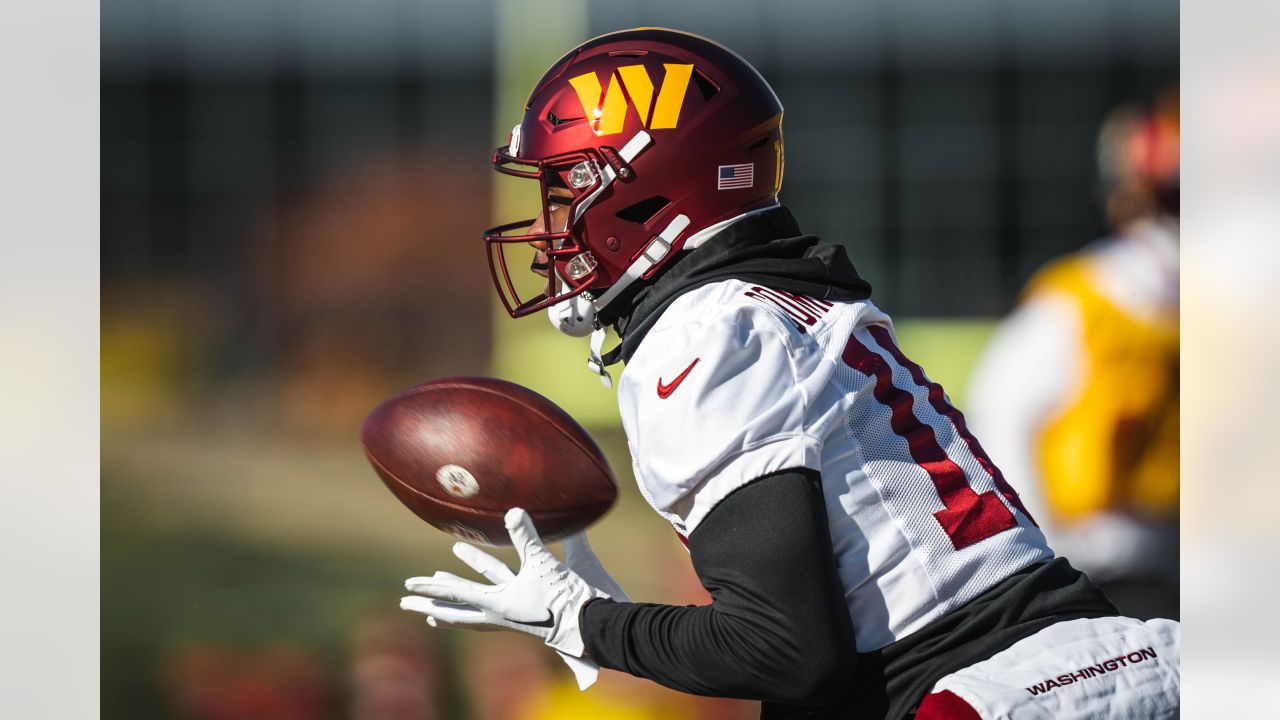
(665, 390)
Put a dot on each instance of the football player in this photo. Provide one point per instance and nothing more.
(863, 555)
(1078, 390)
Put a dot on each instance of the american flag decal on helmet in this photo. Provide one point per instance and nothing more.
(733, 177)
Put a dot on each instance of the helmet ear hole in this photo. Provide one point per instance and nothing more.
(640, 212)
(706, 85)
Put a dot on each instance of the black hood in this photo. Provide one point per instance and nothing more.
(766, 248)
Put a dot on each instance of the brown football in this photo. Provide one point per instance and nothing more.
(460, 452)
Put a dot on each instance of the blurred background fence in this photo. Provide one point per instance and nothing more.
(292, 194)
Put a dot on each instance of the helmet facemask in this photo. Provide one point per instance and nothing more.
(571, 267)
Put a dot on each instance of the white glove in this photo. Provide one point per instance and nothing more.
(543, 599)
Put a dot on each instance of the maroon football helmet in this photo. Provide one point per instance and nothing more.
(651, 136)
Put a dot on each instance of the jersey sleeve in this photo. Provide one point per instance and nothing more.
(710, 406)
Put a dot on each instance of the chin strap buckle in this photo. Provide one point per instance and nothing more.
(653, 253)
(594, 362)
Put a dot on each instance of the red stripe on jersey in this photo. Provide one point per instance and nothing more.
(797, 314)
(967, 517)
(938, 399)
(945, 705)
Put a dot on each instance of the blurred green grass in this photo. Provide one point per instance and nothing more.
(164, 589)
(947, 349)
(243, 538)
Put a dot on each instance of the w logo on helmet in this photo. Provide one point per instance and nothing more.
(608, 114)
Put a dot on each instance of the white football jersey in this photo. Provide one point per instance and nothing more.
(736, 381)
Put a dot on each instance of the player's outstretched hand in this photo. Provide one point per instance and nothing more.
(543, 599)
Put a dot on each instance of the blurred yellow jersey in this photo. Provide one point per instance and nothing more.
(1113, 443)
(1076, 400)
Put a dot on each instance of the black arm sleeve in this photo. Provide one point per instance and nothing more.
(777, 629)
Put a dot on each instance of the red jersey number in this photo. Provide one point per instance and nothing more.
(967, 516)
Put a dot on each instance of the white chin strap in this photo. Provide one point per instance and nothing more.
(576, 316)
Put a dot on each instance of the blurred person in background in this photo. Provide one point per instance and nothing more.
(209, 681)
(1077, 393)
(395, 674)
(863, 555)
(505, 678)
